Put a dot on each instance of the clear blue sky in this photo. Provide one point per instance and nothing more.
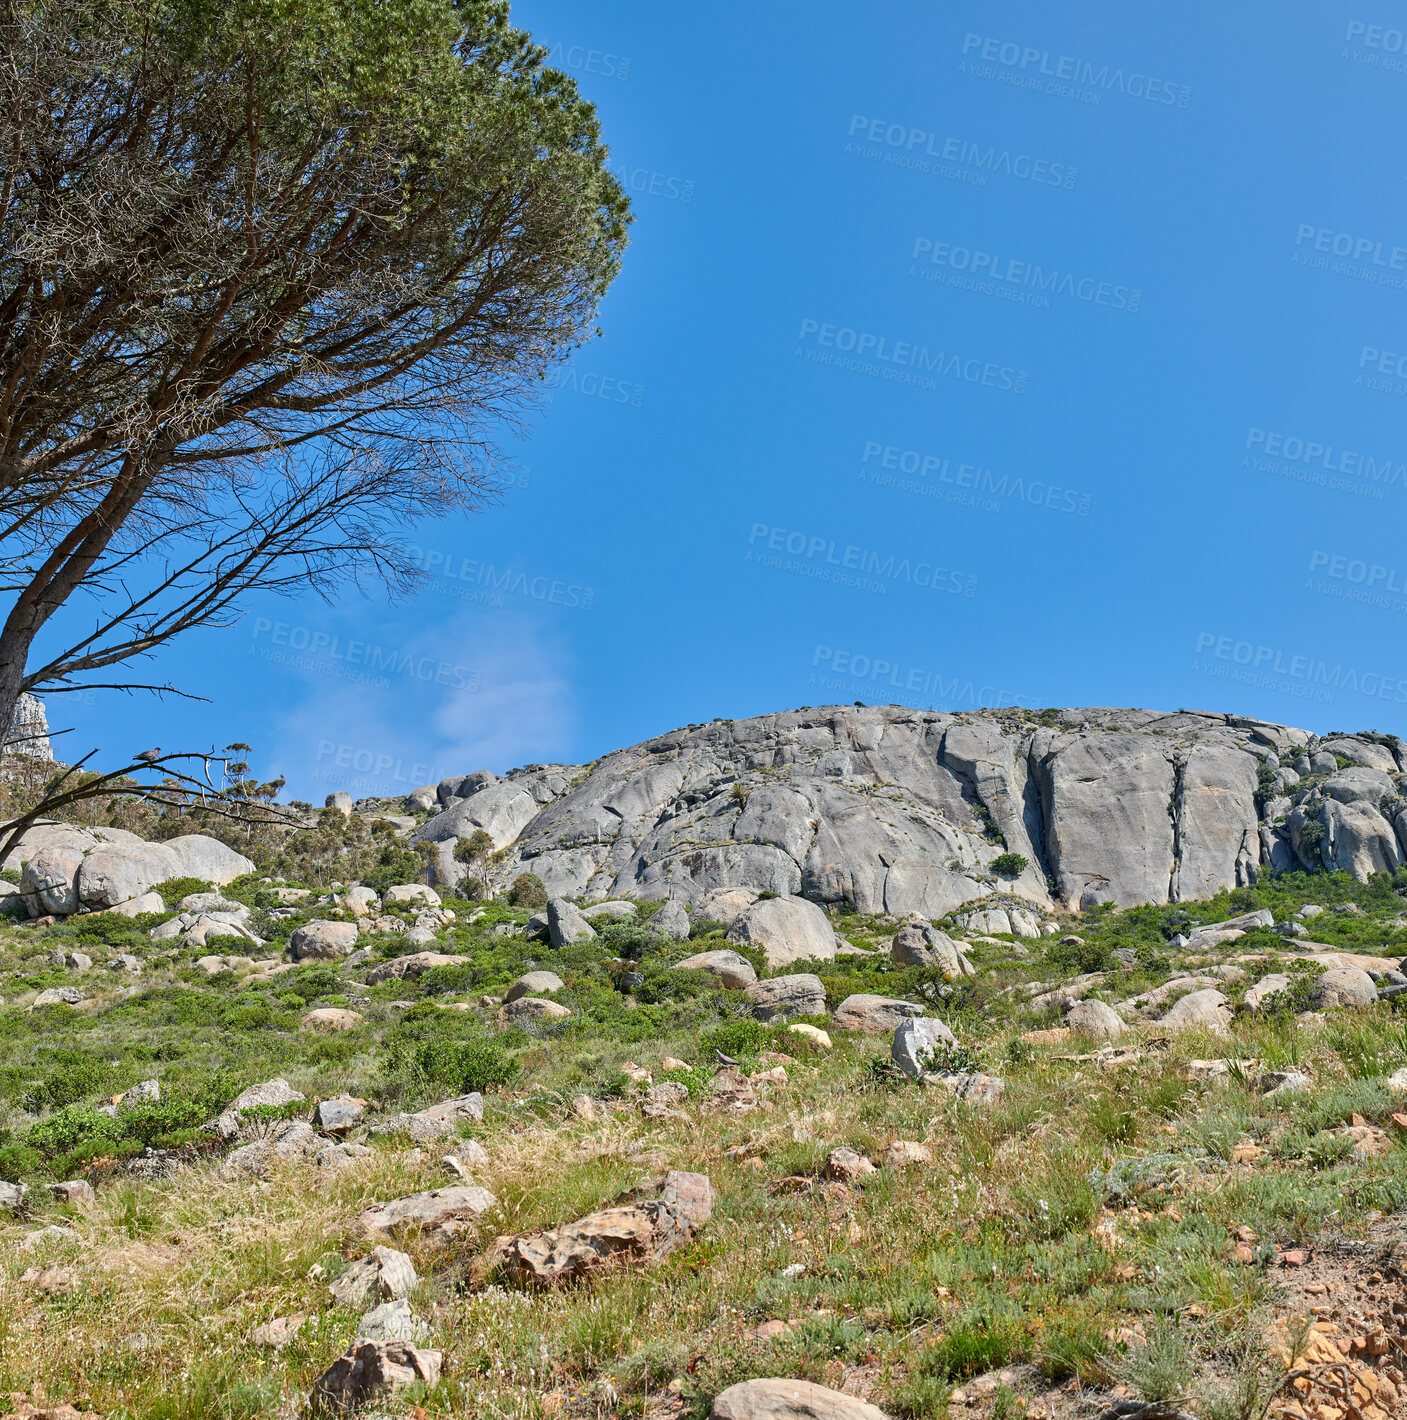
(1049, 354)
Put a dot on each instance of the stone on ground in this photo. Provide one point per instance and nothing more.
(772, 1399)
(370, 1369)
(785, 930)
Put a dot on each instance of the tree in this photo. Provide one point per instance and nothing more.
(272, 272)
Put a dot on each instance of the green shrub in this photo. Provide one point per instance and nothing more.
(174, 889)
(528, 892)
(477, 1063)
(474, 848)
(1009, 865)
(394, 866)
(1079, 957)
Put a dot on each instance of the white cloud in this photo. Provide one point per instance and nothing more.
(470, 693)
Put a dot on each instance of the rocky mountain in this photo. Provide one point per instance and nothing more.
(892, 810)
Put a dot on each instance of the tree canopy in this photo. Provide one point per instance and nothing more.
(272, 274)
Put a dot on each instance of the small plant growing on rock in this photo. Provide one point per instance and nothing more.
(1009, 865)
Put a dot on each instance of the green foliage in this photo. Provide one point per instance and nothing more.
(1009, 865)
(174, 889)
(1078, 958)
(528, 892)
(475, 848)
(394, 865)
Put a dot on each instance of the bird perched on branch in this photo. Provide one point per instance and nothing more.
(148, 756)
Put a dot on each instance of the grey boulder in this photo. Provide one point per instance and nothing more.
(785, 930)
(566, 925)
(783, 997)
(322, 941)
(874, 1015)
(734, 971)
(922, 944)
(1343, 986)
(915, 1042)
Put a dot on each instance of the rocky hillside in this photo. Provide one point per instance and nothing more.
(888, 810)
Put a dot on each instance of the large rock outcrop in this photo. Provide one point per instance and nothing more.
(890, 810)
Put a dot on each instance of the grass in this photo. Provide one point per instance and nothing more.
(1088, 1202)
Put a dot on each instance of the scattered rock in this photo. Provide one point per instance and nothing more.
(914, 1043)
(1204, 1010)
(439, 1213)
(847, 1165)
(905, 1153)
(380, 1276)
(812, 1033)
(368, 1369)
(566, 925)
(393, 1321)
(412, 967)
(337, 1116)
(733, 970)
(50, 1281)
(411, 892)
(333, 1018)
(921, 944)
(1096, 1018)
(58, 996)
(276, 1334)
(783, 996)
(639, 1229)
(533, 982)
(874, 1015)
(789, 1400)
(1276, 983)
(322, 941)
(77, 1192)
(533, 1008)
(1343, 986)
(730, 1089)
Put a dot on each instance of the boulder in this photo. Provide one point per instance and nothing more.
(874, 1015)
(439, 1213)
(322, 941)
(337, 1116)
(77, 1192)
(410, 968)
(914, 1043)
(1276, 983)
(619, 910)
(369, 1369)
(789, 1400)
(565, 924)
(533, 1008)
(534, 981)
(921, 944)
(725, 905)
(411, 892)
(1207, 1009)
(120, 873)
(642, 1227)
(847, 1166)
(1343, 986)
(58, 996)
(419, 800)
(812, 1033)
(974, 1088)
(340, 800)
(906, 1153)
(334, 1018)
(49, 881)
(1096, 1018)
(205, 858)
(671, 922)
(147, 902)
(392, 1321)
(272, 1094)
(783, 996)
(380, 1276)
(785, 930)
(734, 971)
(360, 901)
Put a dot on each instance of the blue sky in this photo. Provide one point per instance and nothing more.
(1046, 354)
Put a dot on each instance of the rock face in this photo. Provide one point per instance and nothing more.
(28, 735)
(891, 810)
(640, 1229)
